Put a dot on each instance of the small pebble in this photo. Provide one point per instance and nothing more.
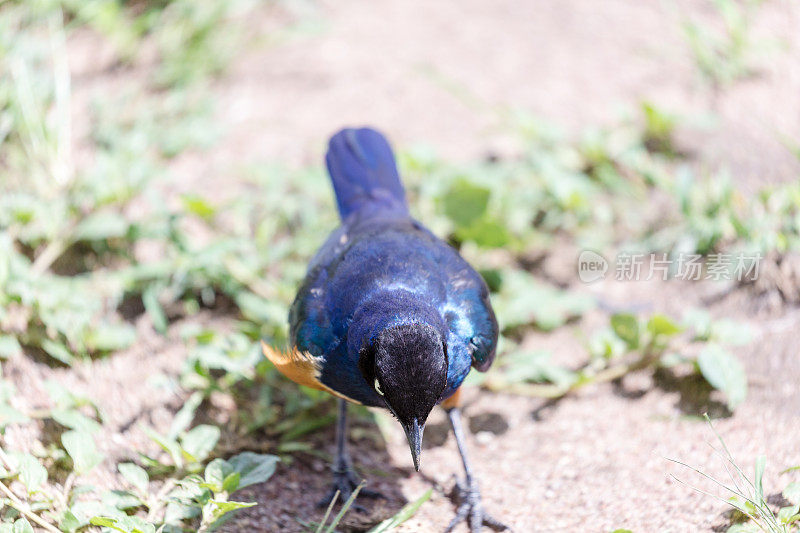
(484, 437)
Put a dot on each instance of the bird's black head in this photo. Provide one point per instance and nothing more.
(407, 365)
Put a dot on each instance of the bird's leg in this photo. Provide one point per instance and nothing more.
(345, 480)
(468, 495)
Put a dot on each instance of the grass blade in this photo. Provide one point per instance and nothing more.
(404, 514)
(344, 509)
(328, 512)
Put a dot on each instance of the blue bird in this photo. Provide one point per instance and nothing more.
(388, 315)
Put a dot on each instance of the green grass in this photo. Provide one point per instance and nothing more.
(630, 344)
(68, 235)
(746, 494)
(725, 50)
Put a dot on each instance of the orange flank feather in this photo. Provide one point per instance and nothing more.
(453, 401)
(301, 367)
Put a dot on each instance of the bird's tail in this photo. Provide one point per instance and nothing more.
(364, 172)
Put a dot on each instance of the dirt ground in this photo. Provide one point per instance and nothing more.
(433, 73)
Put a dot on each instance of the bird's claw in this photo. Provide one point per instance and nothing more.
(470, 509)
(345, 482)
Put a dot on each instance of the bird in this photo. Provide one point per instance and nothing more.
(388, 316)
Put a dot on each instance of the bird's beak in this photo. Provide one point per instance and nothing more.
(414, 435)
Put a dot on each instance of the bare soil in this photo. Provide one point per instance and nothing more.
(435, 73)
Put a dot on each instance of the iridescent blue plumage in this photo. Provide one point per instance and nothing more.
(380, 269)
(388, 315)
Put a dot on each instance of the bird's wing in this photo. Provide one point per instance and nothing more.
(301, 367)
(313, 332)
(309, 322)
(469, 313)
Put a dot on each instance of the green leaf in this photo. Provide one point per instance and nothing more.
(136, 524)
(485, 232)
(792, 492)
(81, 448)
(231, 482)
(104, 522)
(700, 321)
(176, 512)
(404, 514)
(294, 447)
(183, 418)
(465, 202)
(168, 445)
(535, 366)
(789, 514)
(626, 327)
(110, 337)
(731, 332)
(75, 420)
(605, 344)
(101, 226)
(724, 372)
(740, 503)
(253, 467)
(258, 309)
(222, 507)
(493, 278)
(58, 351)
(198, 206)
(154, 310)
(198, 442)
(121, 499)
(662, 325)
(69, 522)
(31, 472)
(22, 526)
(215, 474)
(135, 475)
(524, 300)
(9, 346)
(64, 398)
(9, 415)
(125, 524)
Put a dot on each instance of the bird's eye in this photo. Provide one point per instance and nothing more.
(378, 387)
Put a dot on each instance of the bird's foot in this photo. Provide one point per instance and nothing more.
(345, 483)
(470, 509)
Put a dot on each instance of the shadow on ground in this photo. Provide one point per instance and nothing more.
(288, 501)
